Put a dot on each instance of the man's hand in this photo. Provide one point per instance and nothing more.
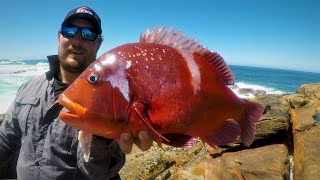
(143, 141)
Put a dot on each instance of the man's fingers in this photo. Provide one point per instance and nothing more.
(126, 142)
(144, 141)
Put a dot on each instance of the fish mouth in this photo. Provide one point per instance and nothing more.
(81, 118)
(71, 109)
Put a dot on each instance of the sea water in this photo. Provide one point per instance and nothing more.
(13, 73)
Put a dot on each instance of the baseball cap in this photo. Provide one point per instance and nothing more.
(84, 12)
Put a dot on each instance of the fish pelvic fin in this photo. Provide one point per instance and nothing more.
(180, 140)
(85, 140)
(229, 132)
(139, 108)
(253, 113)
(181, 41)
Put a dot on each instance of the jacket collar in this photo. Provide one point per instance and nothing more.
(53, 65)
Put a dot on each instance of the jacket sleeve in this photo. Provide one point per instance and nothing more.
(106, 159)
(10, 136)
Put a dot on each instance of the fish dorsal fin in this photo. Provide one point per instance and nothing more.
(181, 41)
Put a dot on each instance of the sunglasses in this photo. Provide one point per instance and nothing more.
(88, 34)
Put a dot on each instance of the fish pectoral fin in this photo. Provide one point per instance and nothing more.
(180, 140)
(139, 108)
(228, 133)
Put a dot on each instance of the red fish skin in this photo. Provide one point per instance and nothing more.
(165, 87)
(173, 99)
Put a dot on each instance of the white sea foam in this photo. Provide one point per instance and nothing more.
(24, 70)
(6, 99)
(252, 88)
(12, 75)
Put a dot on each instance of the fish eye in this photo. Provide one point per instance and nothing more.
(93, 78)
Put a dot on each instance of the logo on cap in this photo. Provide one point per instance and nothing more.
(84, 10)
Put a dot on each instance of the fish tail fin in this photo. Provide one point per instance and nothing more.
(253, 112)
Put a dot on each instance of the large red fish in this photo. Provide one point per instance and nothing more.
(167, 84)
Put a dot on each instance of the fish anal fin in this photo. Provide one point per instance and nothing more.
(254, 111)
(180, 140)
(139, 109)
(228, 133)
(181, 41)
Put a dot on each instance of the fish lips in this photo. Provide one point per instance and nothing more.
(74, 111)
(71, 110)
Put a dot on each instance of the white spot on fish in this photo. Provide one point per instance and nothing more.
(194, 71)
(128, 65)
(109, 60)
(119, 80)
(97, 67)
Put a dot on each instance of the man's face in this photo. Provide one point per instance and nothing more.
(76, 54)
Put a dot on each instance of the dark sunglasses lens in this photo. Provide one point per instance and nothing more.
(87, 34)
(69, 31)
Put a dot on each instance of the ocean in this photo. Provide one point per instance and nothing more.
(249, 80)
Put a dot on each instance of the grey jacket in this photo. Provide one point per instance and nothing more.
(47, 148)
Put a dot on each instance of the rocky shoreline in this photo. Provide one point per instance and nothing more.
(285, 147)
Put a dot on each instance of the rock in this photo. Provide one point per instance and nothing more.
(304, 107)
(268, 162)
(309, 90)
(275, 118)
(259, 92)
(297, 100)
(245, 91)
(306, 154)
(302, 119)
(149, 164)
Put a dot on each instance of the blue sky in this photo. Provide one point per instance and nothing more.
(269, 33)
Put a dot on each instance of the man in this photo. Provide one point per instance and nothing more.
(48, 148)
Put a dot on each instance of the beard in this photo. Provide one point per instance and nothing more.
(73, 64)
(73, 67)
